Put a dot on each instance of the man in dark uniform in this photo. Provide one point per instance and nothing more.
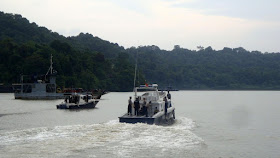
(168, 95)
(136, 106)
(165, 106)
(129, 108)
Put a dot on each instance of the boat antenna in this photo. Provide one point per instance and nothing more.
(50, 68)
(135, 72)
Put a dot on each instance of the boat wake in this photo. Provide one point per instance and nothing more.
(111, 139)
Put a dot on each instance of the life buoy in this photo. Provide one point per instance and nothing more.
(58, 90)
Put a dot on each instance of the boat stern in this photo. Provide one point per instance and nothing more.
(136, 119)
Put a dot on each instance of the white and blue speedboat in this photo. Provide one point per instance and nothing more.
(157, 110)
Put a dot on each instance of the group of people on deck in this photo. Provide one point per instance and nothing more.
(138, 110)
(146, 108)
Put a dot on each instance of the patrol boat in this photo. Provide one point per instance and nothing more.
(155, 107)
(38, 87)
(79, 101)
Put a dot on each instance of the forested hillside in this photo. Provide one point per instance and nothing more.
(83, 61)
(209, 69)
(90, 62)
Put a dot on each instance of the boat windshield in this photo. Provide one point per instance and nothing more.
(145, 89)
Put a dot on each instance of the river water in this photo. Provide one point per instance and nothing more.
(209, 124)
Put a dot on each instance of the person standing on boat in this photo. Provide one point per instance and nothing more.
(87, 98)
(129, 108)
(168, 95)
(136, 106)
(144, 107)
(149, 108)
(165, 105)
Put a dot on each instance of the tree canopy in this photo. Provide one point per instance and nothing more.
(89, 62)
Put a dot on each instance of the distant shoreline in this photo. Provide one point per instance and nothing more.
(230, 90)
(9, 89)
(215, 90)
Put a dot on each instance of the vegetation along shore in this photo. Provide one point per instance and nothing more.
(89, 62)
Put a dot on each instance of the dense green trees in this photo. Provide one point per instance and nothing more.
(209, 69)
(88, 70)
(90, 62)
(82, 61)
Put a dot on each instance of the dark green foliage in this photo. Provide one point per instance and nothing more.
(90, 62)
(87, 42)
(88, 70)
(18, 28)
(83, 61)
(209, 69)
(21, 31)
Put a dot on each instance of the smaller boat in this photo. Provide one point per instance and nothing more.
(159, 109)
(79, 101)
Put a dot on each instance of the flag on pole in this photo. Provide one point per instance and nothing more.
(146, 84)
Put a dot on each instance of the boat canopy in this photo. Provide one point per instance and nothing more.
(153, 94)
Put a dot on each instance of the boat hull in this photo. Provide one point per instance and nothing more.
(45, 96)
(39, 96)
(89, 105)
(136, 119)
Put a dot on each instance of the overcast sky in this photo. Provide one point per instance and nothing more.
(252, 24)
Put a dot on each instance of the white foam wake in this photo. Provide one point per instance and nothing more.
(111, 139)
